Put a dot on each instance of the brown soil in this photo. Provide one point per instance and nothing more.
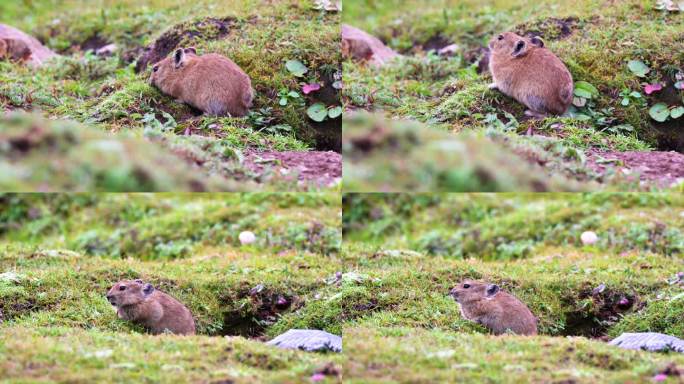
(320, 168)
(659, 168)
(549, 29)
(170, 40)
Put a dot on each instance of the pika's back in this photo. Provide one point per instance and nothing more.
(497, 310)
(159, 312)
(526, 70)
(212, 83)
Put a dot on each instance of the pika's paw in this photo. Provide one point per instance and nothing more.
(536, 115)
(493, 86)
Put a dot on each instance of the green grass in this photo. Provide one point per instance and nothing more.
(446, 93)
(387, 155)
(59, 254)
(108, 94)
(415, 355)
(410, 250)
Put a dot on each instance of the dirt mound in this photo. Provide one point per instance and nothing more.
(181, 35)
(39, 53)
(361, 46)
(659, 168)
(320, 168)
(549, 29)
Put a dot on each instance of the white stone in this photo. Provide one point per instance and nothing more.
(246, 237)
(589, 238)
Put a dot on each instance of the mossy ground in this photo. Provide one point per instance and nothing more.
(410, 250)
(260, 36)
(59, 254)
(595, 39)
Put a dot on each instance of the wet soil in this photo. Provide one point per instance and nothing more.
(661, 169)
(320, 168)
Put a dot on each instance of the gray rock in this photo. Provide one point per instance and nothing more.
(361, 46)
(39, 53)
(309, 340)
(649, 341)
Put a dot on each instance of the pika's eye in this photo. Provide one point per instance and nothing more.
(122, 288)
(500, 37)
(466, 285)
(155, 68)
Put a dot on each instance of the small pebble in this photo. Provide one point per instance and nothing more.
(588, 238)
(246, 237)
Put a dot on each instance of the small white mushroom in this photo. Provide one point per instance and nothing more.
(246, 237)
(589, 238)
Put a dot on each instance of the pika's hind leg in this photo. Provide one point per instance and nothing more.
(536, 106)
(536, 115)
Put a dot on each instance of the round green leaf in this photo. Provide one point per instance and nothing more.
(638, 68)
(659, 112)
(334, 112)
(584, 88)
(296, 67)
(283, 101)
(583, 93)
(317, 112)
(677, 112)
(625, 102)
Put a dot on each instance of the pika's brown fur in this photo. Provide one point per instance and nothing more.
(14, 50)
(211, 82)
(499, 311)
(141, 303)
(523, 69)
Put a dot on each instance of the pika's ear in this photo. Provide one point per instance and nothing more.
(520, 49)
(190, 50)
(536, 40)
(179, 57)
(492, 289)
(148, 289)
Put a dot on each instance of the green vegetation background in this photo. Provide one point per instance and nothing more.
(595, 39)
(409, 250)
(105, 92)
(59, 254)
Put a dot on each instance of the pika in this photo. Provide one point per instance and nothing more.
(141, 303)
(499, 311)
(14, 50)
(526, 71)
(211, 83)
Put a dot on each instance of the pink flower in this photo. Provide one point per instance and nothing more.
(317, 377)
(660, 377)
(311, 88)
(650, 88)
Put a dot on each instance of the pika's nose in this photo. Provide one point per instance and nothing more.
(453, 292)
(110, 298)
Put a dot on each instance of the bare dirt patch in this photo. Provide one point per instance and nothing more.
(549, 29)
(321, 168)
(659, 168)
(206, 29)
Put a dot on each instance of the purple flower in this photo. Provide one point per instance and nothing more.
(308, 88)
(650, 88)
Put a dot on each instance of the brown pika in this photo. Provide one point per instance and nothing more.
(499, 311)
(211, 82)
(142, 304)
(526, 71)
(14, 50)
